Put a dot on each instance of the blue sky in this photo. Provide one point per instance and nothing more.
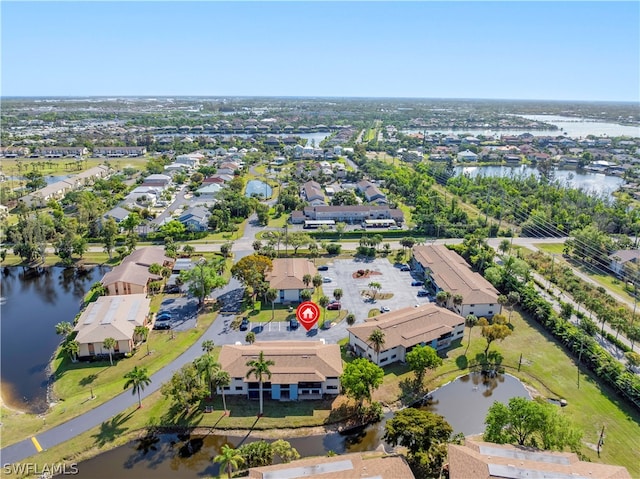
(511, 50)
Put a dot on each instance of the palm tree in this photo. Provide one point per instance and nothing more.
(317, 281)
(229, 460)
(207, 345)
(137, 378)
(337, 294)
(376, 338)
(375, 286)
(64, 328)
(442, 297)
(457, 300)
(514, 298)
(250, 337)
(221, 380)
(323, 301)
(72, 348)
(306, 279)
(207, 368)
(471, 320)
(503, 300)
(258, 368)
(271, 295)
(141, 333)
(351, 319)
(110, 344)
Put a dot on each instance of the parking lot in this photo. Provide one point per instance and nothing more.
(183, 312)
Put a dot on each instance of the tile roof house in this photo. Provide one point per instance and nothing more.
(404, 329)
(286, 275)
(312, 191)
(467, 156)
(484, 460)
(111, 317)
(301, 369)
(344, 466)
(132, 275)
(352, 213)
(445, 270)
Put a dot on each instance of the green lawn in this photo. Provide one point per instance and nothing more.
(553, 248)
(74, 381)
(278, 222)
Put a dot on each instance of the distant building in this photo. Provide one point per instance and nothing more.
(119, 151)
(621, 258)
(351, 214)
(467, 156)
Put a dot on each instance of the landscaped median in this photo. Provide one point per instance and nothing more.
(76, 382)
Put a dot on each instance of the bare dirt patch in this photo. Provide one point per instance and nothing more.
(365, 273)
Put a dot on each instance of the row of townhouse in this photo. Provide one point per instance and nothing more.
(58, 189)
(351, 214)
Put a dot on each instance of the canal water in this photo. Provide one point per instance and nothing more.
(463, 402)
(34, 300)
(594, 183)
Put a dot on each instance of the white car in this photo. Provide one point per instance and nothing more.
(326, 279)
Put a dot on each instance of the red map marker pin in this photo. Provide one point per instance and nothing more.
(308, 314)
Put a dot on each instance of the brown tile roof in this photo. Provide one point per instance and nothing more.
(294, 360)
(409, 326)
(452, 273)
(112, 317)
(347, 466)
(287, 273)
(483, 460)
(134, 268)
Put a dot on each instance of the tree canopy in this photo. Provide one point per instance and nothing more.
(360, 378)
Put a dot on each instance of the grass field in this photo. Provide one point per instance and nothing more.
(58, 167)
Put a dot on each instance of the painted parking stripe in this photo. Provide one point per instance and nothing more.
(36, 443)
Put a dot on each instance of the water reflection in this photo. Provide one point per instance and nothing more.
(463, 402)
(35, 299)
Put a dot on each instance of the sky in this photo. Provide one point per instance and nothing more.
(549, 50)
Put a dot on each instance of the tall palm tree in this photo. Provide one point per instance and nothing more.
(207, 368)
(137, 378)
(271, 295)
(306, 279)
(229, 459)
(457, 300)
(471, 320)
(110, 344)
(208, 345)
(316, 281)
(443, 297)
(323, 301)
(72, 348)
(221, 380)
(376, 338)
(259, 368)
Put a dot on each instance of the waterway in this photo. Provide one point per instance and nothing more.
(257, 187)
(593, 183)
(33, 302)
(568, 126)
(463, 402)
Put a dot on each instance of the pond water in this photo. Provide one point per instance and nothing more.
(595, 183)
(34, 300)
(463, 402)
(257, 187)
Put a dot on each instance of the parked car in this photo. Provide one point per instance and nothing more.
(163, 316)
(244, 325)
(404, 267)
(384, 309)
(323, 267)
(326, 279)
(334, 306)
(423, 293)
(162, 324)
(417, 283)
(293, 324)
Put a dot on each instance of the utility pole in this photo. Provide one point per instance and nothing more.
(601, 440)
(580, 358)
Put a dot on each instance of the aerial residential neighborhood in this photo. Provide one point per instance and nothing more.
(200, 246)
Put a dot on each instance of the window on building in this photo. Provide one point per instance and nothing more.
(332, 387)
(238, 388)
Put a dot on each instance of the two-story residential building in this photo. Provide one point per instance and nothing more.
(287, 277)
(351, 214)
(621, 258)
(132, 276)
(312, 192)
(467, 156)
(62, 151)
(195, 218)
(118, 151)
(404, 329)
(445, 270)
(301, 369)
(111, 317)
